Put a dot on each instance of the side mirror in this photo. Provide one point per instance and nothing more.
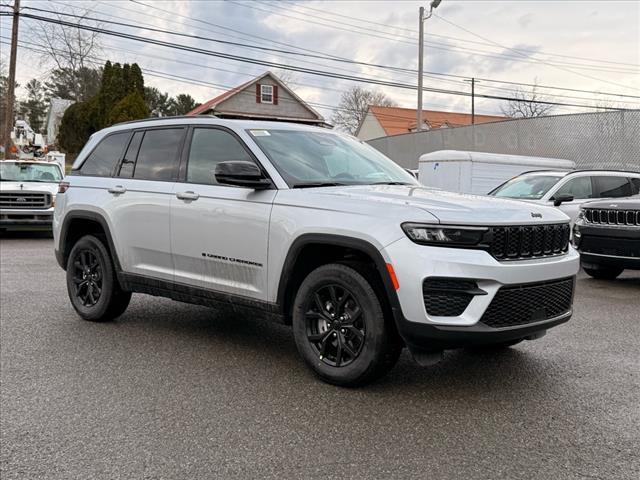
(241, 174)
(560, 199)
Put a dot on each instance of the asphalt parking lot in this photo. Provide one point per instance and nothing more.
(176, 391)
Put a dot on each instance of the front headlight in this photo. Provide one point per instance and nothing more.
(443, 234)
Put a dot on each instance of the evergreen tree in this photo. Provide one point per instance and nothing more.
(158, 103)
(121, 98)
(136, 80)
(183, 104)
(35, 106)
(131, 107)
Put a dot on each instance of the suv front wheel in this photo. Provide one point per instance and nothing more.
(603, 273)
(340, 329)
(91, 282)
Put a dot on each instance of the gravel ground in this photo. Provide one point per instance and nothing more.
(175, 391)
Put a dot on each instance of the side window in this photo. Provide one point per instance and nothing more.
(613, 187)
(210, 146)
(101, 161)
(158, 155)
(635, 186)
(579, 187)
(129, 159)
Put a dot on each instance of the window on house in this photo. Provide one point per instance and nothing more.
(266, 93)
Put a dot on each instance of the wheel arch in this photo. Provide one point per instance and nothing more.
(76, 225)
(311, 250)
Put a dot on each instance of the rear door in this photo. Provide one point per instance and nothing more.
(612, 186)
(219, 232)
(142, 198)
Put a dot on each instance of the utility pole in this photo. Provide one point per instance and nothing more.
(473, 82)
(420, 55)
(473, 101)
(11, 87)
(434, 5)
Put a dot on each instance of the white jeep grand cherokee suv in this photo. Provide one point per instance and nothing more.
(314, 227)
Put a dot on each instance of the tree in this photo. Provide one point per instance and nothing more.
(158, 103)
(35, 106)
(525, 104)
(119, 99)
(354, 105)
(80, 85)
(71, 49)
(183, 104)
(77, 125)
(131, 107)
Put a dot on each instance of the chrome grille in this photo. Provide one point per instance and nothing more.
(25, 200)
(531, 241)
(612, 217)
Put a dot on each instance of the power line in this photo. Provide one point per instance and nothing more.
(396, 38)
(170, 76)
(522, 54)
(292, 67)
(84, 17)
(175, 14)
(410, 30)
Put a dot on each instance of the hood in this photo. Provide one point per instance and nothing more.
(448, 207)
(29, 187)
(630, 203)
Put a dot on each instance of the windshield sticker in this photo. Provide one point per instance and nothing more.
(260, 133)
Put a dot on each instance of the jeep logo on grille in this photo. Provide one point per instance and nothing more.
(536, 215)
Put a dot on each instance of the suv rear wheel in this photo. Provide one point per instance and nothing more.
(340, 329)
(603, 273)
(91, 282)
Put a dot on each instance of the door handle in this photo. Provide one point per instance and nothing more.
(188, 196)
(117, 190)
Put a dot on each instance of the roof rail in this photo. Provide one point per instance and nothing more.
(579, 170)
(151, 119)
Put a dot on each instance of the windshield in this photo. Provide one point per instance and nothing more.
(308, 159)
(531, 187)
(29, 172)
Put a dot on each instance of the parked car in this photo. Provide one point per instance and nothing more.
(313, 227)
(27, 194)
(480, 172)
(607, 234)
(569, 190)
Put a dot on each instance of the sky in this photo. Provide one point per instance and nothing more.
(592, 46)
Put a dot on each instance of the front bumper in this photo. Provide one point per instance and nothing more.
(615, 246)
(415, 263)
(22, 219)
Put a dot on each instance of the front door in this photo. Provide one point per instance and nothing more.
(219, 233)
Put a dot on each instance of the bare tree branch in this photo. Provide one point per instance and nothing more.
(354, 105)
(69, 48)
(525, 104)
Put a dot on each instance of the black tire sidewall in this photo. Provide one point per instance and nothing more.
(375, 331)
(603, 273)
(98, 311)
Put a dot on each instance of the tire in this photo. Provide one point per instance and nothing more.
(604, 273)
(92, 285)
(369, 344)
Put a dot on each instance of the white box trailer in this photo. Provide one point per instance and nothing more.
(479, 172)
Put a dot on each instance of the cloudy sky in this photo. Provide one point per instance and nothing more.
(592, 46)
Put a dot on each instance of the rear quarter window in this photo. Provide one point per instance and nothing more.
(613, 187)
(103, 158)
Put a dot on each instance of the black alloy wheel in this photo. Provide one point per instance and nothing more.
(340, 327)
(87, 277)
(92, 284)
(335, 325)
